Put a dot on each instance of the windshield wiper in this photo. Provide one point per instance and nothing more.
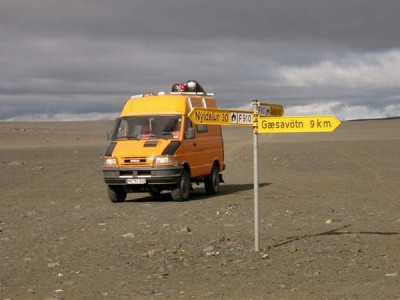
(127, 137)
(166, 135)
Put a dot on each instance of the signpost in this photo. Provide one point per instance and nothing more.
(265, 118)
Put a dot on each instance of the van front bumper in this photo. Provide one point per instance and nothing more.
(152, 175)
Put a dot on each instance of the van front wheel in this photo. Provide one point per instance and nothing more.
(211, 182)
(116, 193)
(181, 193)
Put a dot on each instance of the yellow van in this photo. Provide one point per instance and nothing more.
(155, 147)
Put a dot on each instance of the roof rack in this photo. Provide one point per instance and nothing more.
(191, 93)
(170, 93)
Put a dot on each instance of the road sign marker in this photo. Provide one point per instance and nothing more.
(297, 124)
(221, 117)
(270, 110)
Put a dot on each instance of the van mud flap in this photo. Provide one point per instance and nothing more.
(221, 179)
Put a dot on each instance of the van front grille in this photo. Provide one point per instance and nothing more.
(134, 161)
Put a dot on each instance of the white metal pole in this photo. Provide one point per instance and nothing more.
(255, 160)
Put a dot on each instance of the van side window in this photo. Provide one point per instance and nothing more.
(201, 128)
(189, 130)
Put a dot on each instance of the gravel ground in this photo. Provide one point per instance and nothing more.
(329, 219)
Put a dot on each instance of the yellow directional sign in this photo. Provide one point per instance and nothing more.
(221, 117)
(297, 124)
(270, 110)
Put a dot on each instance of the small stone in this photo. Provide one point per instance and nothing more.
(30, 214)
(150, 253)
(53, 264)
(16, 163)
(208, 248)
(329, 221)
(186, 229)
(265, 256)
(128, 235)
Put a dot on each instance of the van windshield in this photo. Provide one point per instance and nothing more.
(148, 127)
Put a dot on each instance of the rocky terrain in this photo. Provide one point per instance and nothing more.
(329, 219)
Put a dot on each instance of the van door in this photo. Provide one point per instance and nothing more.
(198, 148)
(191, 148)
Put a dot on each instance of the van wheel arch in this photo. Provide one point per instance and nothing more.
(186, 167)
(216, 164)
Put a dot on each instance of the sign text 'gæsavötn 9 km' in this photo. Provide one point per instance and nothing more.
(298, 124)
(221, 117)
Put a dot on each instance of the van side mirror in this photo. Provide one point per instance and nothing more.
(190, 134)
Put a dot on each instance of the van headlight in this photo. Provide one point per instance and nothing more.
(110, 162)
(165, 160)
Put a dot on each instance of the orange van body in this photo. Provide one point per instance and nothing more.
(156, 147)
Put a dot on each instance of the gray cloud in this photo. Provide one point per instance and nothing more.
(89, 56)
(350, 23)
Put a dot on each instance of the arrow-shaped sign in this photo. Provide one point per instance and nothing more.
(270, 110)
(221, 117)
(298, 124)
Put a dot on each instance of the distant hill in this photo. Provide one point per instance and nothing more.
(390, 118)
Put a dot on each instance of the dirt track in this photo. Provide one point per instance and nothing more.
(329, 220)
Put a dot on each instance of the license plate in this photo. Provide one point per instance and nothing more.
(135, 181)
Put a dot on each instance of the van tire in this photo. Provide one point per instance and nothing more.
(181, 193)
(211, 182)
(116, 193)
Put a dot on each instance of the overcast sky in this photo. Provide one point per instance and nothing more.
(83, 58)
